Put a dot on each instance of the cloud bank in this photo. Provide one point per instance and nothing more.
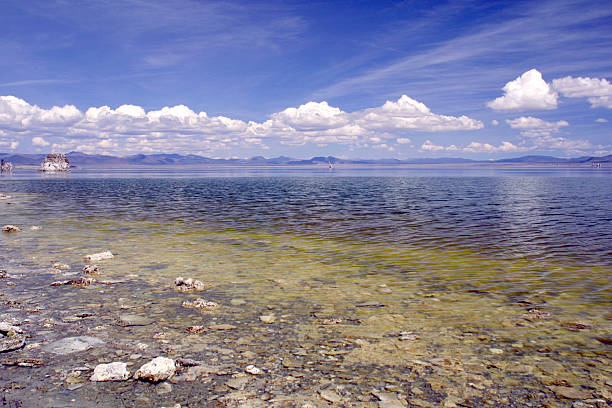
(130, 129)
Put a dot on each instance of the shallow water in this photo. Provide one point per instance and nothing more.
(500, 280)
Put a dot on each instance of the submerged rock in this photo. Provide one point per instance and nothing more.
(69, 345)
(11, 337)
(10, 228)
(90, 269)
(81, 282)
(100, 256)
(201, 304)
(268, 319)
(128, 320)
(116, 371)
(186, 285)
(158, 369)
(55, 162)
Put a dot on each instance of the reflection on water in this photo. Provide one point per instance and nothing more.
(516, 263)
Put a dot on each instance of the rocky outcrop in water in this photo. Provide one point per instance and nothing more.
(116, 371)
(55, 162)
(11, 337)
(158, 369)
(6, 167)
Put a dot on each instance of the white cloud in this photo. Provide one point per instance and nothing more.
(13, 145)
(429, 146)
(130, 129)
(535, 127)
(598, 91)
(407, 113)
(495, 122)
(39, 141)
(539, 133)
(527, 92)
(601, 120)
(504, 147)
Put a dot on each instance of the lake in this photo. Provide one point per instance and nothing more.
(469, 286)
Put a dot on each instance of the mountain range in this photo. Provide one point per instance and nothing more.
(98, 160)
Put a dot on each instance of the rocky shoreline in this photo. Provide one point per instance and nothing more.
(76, 333)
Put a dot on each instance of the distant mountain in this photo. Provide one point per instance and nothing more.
(163, 159)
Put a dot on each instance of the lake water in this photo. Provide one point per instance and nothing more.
(474, 286)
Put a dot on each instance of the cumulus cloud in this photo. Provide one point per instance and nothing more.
(39, 141)
(495, 122)
(527, 92)
(403, 140)
(535, 127)
(429, 146)
(540, 134)
(601, 120)
(598, 91)
(504, 147)
(130, 129)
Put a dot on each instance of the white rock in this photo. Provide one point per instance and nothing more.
(251, 369)
(55, 162)
(189, 284)
(158, 369)
(35, 228)
(100, 256)
(110, 372)
(268, 319)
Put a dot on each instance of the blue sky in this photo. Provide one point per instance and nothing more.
(359, 79)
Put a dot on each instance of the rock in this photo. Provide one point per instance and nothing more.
(35, 228)
(55, 162)
(158, 369)
(116, 371)
(4, 274)
(69, 345)
(237, 383)
(221, 326)
(604, 340)
(58, 265)
(370, 303)
(11, 337)
(196, 329)
(187, 285)
(82, 282)
(163, 388)
(10, 228)
(571, 392)
(4, 196)
(201, 304)
(330, 396)
(90, 269)
(6, 167)
(251, 369)
(388, 399)
(238, 302)
(128, 320)
(268, 319)
(534, 315)
(100, 256)
(496, 351)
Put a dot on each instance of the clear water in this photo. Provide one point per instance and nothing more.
(463, 258)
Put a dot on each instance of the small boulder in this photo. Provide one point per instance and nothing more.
(69, 345)
(110, 372)
(158, 369)
(267, 319)
(11, 337)
(10, 228)
(100, 256)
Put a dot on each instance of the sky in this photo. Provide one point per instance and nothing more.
(352, 79)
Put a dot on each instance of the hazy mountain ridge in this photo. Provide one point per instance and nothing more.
(161, 159)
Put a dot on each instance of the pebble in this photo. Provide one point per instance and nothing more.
(330, 396)
(129, 320)
(201, 304)
(163, 388)
(116, 371)
(570, 392)
(268, 319)
(496, 351)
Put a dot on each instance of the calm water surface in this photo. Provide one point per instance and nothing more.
(469, 260)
